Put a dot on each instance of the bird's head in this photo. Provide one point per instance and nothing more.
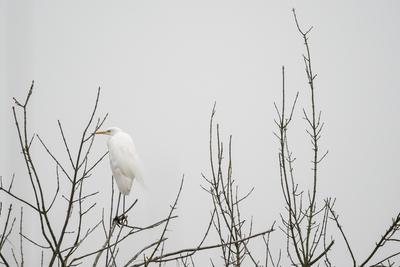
(110, 131)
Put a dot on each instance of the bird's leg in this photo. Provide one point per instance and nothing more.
(117, 218)
(119, 199)
(124, 204)
(121, 219)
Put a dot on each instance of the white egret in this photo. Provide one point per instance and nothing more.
(124, 160)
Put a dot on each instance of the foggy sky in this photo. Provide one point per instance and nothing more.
(162, 64)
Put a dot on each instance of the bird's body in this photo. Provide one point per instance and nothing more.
(124, 160)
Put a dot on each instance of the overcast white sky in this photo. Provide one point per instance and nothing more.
(162, 64)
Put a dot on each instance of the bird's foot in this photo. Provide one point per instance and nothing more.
(121, 219)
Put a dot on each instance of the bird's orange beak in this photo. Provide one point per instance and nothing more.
(101, 132)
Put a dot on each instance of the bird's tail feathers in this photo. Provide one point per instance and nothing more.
(139, 178)
(139, 173)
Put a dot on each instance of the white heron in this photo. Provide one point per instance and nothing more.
(124, 159)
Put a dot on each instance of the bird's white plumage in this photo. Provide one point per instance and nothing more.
(124, 160)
